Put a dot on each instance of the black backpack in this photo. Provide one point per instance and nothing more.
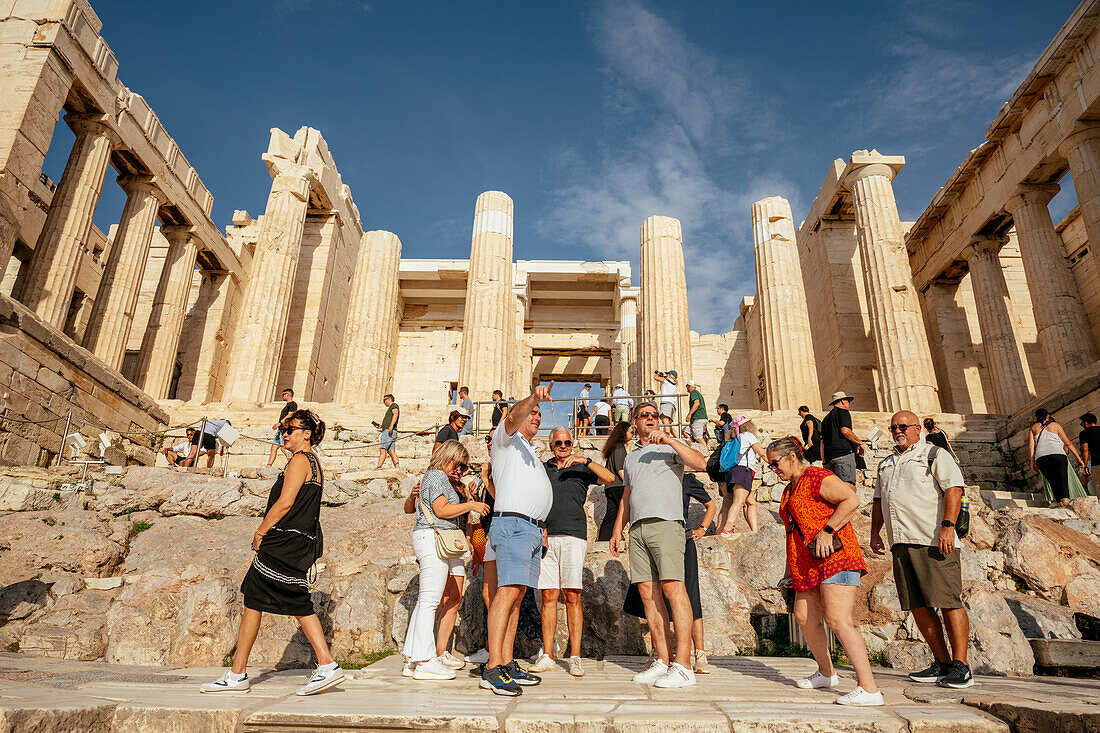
(714, 468)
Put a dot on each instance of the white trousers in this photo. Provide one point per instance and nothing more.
(420, 637)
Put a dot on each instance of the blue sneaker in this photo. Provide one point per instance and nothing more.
(497, 680)
(520, 675)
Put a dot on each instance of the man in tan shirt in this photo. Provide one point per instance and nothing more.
(918, 494)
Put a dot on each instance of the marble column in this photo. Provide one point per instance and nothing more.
(666, 336)
(1002, 349)
(790, 368)
(372, 318)
(9, 227)
(628, 342)
(1082, 150)
(897, 325)
(160, 344)
(261, 328)
(115, 302)
(1059, 316)
(51, 276)
(488, 334)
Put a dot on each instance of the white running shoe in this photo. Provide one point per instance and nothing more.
(859, 697)
(322, 679)
(409, 668)
(677, 676)
(817, 680)
(481, 656)
(228, 684)
(656, 671)
(433, 669)
(542, 664)
(451, 660)
(575, 667)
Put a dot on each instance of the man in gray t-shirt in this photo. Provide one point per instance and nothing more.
(653, 506)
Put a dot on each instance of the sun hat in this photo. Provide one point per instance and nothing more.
(462, 411)
(838, 396)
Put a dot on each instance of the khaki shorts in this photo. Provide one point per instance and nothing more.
(656, 550)
(927, 579)
(563, 566)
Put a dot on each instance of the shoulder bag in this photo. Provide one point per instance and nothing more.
(449, 543)
(838, 544)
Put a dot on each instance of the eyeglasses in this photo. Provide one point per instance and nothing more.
(774, 465)
(562, 443)
(288, 429)
(901, 428)
(461, 466)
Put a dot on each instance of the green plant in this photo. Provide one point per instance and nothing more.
(57, 496)
(227, 660)
(139, 527)
(49, 521)
(877, 659)
(366, 660)
(13, 647)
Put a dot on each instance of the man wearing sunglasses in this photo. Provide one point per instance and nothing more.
(918, 494)
(653, 506)
(562, 570)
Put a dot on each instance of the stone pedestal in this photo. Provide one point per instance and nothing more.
(487, 330)
(160, 344)
(372, 321)
(51, 276)
(115, 303)
(790, 369)
(897, 326)
(1002, 350)
(628, 343)
(261, 329)
(665, 339)
(1059, 316)
(1082, 150)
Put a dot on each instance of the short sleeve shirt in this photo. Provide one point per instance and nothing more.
(582, 396)
(498, 412)
(747, 456)
(567, 516)
(519, 475)
(447, 433)
(182, 448)
(911, 495)
(621, 397)
(433, 485)
(836, 445)
(667, 389)
(701, 412)
(615, 463)
(601, 408)
(387, 421)
(655, 475)
(288, 409)
(694, 489)
(1090, 436)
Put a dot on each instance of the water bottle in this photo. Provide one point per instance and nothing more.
(962, 524)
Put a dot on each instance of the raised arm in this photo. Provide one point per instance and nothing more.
(524, 407)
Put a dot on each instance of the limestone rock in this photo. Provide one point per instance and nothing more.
(1041, 619)
(997, 645)
(1083, 594)
(73, 541)
(16, 496)
(74, 628)
(757, 559)
(219, 497)
(1047, 555)
(1087, 507)
(359, 614)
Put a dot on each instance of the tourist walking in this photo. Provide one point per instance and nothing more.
(561, 571)
(277, 441)
(204, 442)
(500, 407)
(584, 417)
(614, 456)
(918, 495)
(811, 436)
(451, 431)
(697, 414)
(601, 417)
(466, 404)
(441, 578)
(738, 496)
(652, 506)
(667, 382)
(1089, 438)
(722, 424)
(1047, 447)
(621, 404)
(523, 500)
(177, 453)
(825, 565)
(287, 544)
(840, 444)
(387, 446)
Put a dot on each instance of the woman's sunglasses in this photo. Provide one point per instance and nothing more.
(288, 429)
(461, 466)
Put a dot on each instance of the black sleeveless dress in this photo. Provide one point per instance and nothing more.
(276, 582)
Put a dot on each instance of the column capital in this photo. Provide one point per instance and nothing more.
(856, 172)
(984, 244)
(95, 124)
(295, 179)
(141, 184)
(1032, 194)
(1083, 132)
(178, 231)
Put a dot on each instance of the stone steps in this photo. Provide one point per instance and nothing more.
(1003, 499)
(1071, 653)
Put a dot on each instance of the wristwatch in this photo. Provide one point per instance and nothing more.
(947, 523)
(587, 461)
(829, 530)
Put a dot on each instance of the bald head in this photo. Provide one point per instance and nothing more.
(905, 429)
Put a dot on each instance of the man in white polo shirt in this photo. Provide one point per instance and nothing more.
(523, 499)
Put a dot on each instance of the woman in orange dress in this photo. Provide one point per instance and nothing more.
(817, 508)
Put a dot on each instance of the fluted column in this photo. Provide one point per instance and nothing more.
(371, 320)
(666, 335)
(1082, 150)
(51, 275)
(897, 326)
(160, 344)
(261, 328)
(115, 302)
(1002, 348)
(1059, 316)
(487, 330)
(790, 370)
(628, 340)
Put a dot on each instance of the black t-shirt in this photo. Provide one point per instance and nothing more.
(570, 486)
(836, 445)
(498, 412)
(491, 501)
(694, 489)
(726, 418)
(615, 464)
(1091, 436)
(288, 409)
(814, 453)
(447, 433)
(938, 439)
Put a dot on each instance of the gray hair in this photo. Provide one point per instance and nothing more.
(788, 444)
(555, 431)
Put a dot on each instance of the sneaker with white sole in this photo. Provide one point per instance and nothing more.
(452, 661)
(859, 697)
(481, 656)
(543, 664)
(818, 680)
(322, 679)
(433, 669)
(701, 666)
(228, 683)
(677, 676)
(656, 671)
(575, 667)
(408, 668)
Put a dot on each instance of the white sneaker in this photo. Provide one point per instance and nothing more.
(451, 660)
(817, 680)
(656, 671)
(677, 676)
(409, 668)
(481, 656)
(322, 679)
(433, 669)
(575, 667)
(227, 684)
(542, 664)
(859, 697)
(701, 666)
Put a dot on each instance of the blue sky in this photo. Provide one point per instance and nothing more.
(591, 115)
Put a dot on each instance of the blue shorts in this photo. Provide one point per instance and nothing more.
(389, 440)
(278, 438)
(518, 547)
(844, 577)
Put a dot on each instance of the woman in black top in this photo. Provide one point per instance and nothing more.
(936, 436)
(455, 423)
(287, 544)
(614, 455)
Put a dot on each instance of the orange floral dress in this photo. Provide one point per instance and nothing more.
(802, 504)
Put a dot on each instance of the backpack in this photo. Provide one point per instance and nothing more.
(731, 454)
(714, 468)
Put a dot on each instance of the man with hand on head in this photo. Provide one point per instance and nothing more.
(652, 505)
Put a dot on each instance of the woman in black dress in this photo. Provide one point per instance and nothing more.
(287, 544)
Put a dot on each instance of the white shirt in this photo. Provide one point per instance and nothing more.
(668, 388)
(519, 476)
(911, 493)
(583, 397)
(747, 457)
(183, 448)
(601, 408)
(621, 397)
